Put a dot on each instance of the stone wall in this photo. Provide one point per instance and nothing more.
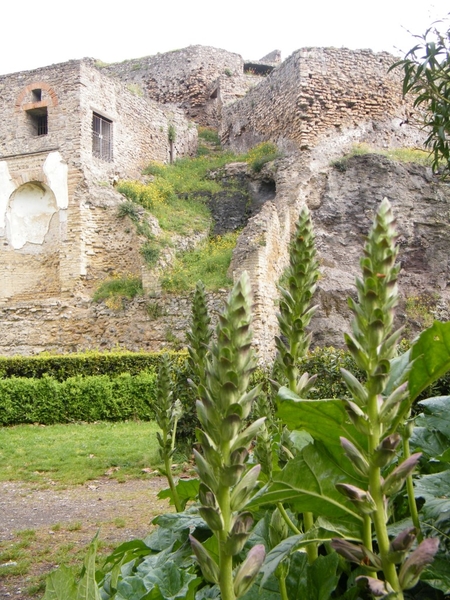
(63, 326)
(315, 92)
(186, 78)
(58, 211)
(140, 127)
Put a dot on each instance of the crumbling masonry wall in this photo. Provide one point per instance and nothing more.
(315, 92)
(186, 78)
(59, 230)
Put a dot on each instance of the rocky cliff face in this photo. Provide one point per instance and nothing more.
(342, 202)
(342, 215)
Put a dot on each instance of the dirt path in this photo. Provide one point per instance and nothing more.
(122, 511)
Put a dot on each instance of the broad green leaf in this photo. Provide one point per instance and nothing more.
(432, 443)
(308, 483)
(324, 420)
(314, 582)
(173, 582)
(435, 489)
(87, 586)
(438, 574)
(134, 588)
(61, 585)
(431, 353)
(188, 519)
(437, 414)
(126, 552)
(324, 532)
(209, 592)
(187, 490)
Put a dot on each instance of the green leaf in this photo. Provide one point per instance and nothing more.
(87, 586)
(431, 443)
(314, 582)
(187, 490)
(173, 582)
(437, 414)
(308, 483)
(189, 519)
(431, 353)
(435, 489)
(126, 552)
(324, 420)
(61, 585)
(438, 575)
(134, 588)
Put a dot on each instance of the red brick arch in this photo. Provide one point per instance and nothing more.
(36, 85)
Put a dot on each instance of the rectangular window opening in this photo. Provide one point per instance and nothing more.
(36, 95)
(102, 137)
(39, 121)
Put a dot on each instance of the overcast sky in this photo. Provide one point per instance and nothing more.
(37, 34)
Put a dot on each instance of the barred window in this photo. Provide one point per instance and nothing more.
(102, 137)
(38, 118)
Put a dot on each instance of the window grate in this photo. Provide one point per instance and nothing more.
(102, 137)
(42, 125)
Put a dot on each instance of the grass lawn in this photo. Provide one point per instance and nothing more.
(73, 454)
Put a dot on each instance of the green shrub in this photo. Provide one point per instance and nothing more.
(88, 399)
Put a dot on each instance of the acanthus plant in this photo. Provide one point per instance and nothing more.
(353, 498)
(348, 478)
(226, 482)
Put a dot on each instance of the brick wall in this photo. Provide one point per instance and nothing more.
(315, 92)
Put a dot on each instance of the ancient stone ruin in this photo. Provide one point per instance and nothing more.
(71, 130)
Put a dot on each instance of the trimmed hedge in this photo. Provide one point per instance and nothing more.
(122, 385)
(61, 367)
(92, 398)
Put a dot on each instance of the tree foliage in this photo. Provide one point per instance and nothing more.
(426, 75)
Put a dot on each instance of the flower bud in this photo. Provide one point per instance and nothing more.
(351, 552)
(358, 417)
(401, 544)
(358, 461)
(362, 500)
(379, 588)
(230, 427)
(395, 480)
(239, 533)
(207, 564)
(416, 562)
(278, 529)
(212, 517)
(244, 489)
(177, 410)
(206, 496)
(249, 570)
(229, 476)
(385, 452)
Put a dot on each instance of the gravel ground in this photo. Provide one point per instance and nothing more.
(122, 511)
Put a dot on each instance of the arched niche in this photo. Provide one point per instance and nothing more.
(29, 214)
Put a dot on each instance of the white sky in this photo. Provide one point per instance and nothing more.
(37, 34)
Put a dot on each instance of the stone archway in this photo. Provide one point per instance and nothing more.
(29, 214)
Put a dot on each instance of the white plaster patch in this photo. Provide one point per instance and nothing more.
(55, 170)
(6, 189)
(29, 214)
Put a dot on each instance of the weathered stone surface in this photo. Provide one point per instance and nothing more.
(315, 106)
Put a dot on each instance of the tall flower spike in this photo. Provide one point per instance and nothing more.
(226, 482)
